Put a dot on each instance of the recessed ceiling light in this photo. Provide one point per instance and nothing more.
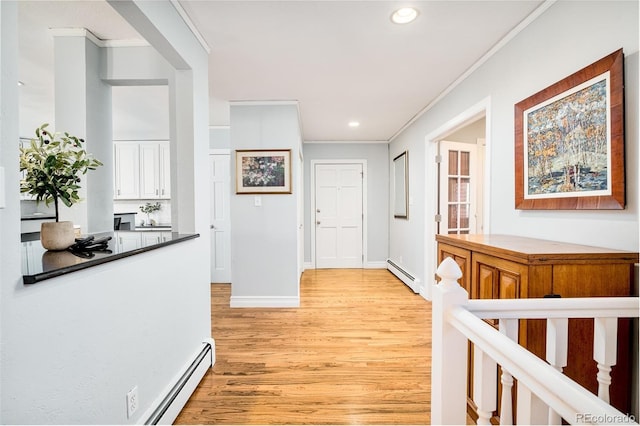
(404, 15)
(354, 124)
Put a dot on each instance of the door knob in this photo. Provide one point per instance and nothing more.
(317, 210)
(212, 227)
(318, 223)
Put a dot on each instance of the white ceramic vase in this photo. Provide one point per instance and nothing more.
(57, 235)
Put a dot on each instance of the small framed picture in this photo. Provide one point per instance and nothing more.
(263, 171)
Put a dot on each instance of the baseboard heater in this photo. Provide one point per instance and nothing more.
(172, 404)
(412, 282)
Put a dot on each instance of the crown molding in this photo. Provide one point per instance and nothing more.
(192, 27)
(263, 103)
(497, 47)
(83, 32)
(345, 142)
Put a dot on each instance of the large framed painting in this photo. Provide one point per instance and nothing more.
(569, 141)
(263, 171)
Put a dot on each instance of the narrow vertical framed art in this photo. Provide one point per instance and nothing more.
(401, 186)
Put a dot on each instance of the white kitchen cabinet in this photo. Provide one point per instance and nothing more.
(141, 170)
(165, 170)
(126, 170)
(150, 238)
(149, 170)
(128, 241)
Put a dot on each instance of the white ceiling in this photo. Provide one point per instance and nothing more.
(342, 60)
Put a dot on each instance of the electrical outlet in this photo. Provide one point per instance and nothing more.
(132, 401)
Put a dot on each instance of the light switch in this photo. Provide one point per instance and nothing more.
(257, 201)
(2, 191)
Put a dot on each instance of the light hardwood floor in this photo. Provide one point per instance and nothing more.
(357, 351)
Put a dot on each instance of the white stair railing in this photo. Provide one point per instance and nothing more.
(545, 395)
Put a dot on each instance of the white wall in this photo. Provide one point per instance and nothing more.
(140, 112)
(9, 193)
(377, 156)
(73, 346)
(264, 246)
(83, 108)
(564, 39)
(469, 133)
(219, 137)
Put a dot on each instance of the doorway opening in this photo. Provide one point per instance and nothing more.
(457, 182)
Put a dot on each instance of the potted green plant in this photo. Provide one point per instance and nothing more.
(52, 166)
(149, 208)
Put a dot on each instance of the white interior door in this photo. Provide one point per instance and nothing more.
(220, 220)
(458, 188)
(338, 215)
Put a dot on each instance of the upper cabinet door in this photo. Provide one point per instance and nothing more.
(165, 170)
(126, 171)
(141, 170)
(149, 170)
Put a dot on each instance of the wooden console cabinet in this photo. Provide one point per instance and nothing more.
(506, 267)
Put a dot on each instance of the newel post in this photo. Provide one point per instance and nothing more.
(449, 350)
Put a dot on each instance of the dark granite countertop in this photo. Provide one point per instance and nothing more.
(38, 216)
(158, 227)
(39, 264)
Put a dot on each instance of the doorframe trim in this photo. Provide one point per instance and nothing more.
(482, 108)
(312, 196)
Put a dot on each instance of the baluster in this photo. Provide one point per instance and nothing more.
(557, 345)
(531, 409)
(508, 327)
(605, 333)
(484, 385)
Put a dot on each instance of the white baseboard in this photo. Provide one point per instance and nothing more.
(265, 302)
(167, 407)
(423, 293)
(368, 265)
(403, 275)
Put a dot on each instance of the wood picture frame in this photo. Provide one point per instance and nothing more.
(569, 141)
(263, 171)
